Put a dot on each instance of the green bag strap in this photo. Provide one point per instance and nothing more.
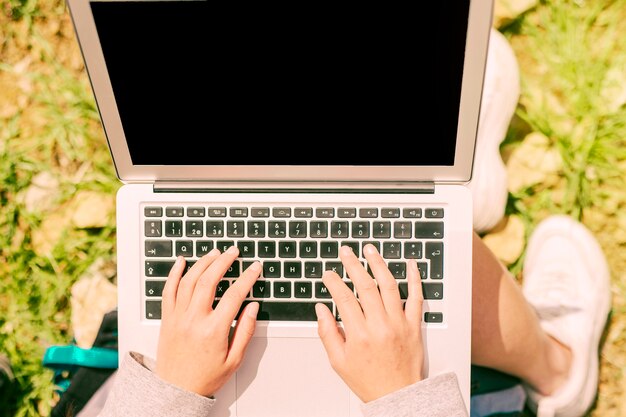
(71, 356)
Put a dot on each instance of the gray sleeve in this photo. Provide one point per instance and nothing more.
(138, 392)
(438, 396)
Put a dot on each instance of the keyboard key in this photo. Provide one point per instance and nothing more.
(319, 229)
(234, 271)
(271, 269)
(368, 213)
(321, 291)
(361, 230)
(390, 213)
(354, 245)
(434, 213)
(373, 243)
(154, 288)
(329, 249)
(277, 229)
(260, 212)
(297, 229)
(153, 309)
(346, 212)
(217, 211)
(153, 211)
(339, 229)
(158, 268)
(194, 228)
(412, 213)
(325, 212)
(234, 228)
(335, 267)
(302, 290)
(174, 211)
(434, 252)
(195, 211)
(293, 269)
(432, 290)
(429, 230)
(403, 288)
(381, 230)
(184, 248)
(398, 269)
(391, 250)
(256, 228)
(158, 248)
(246, 248)
(266, 249)
(287, 310)
(281, 211)
(313, 269)
(287, 249)
(433, 317)
(203, 247)
(412, 250)
(239, 212)
(223, 245)
(221, 288)
(303, 212)
(153, 228)
(402, 230)
(261, 289)
(215, 228)
(308, 249)
(282, 289)
(422, 267)
(173, 228)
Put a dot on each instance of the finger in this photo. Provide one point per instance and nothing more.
(366, 288)
(332, 339)
(347, 304)
(188, 283)
(171, 288)
(387, 285)
(415, 299)
(231, 301)
(204, 291)
(242, 335)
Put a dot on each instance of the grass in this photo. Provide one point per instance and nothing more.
(572, 57)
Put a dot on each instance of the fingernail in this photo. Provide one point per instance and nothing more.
(232, 250)
(413, 265)
(214, 252)
(346, 250)
(179, 260)
(256, 266)
(252, 310)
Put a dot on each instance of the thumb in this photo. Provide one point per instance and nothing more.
(243, 333)
(328, 331)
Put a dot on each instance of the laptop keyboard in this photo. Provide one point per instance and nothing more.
(295, 246)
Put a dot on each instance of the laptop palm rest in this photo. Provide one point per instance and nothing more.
(267, 382)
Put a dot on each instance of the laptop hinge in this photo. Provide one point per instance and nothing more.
(299, 187)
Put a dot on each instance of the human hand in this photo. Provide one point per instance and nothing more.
(194, 352)
(380, 349)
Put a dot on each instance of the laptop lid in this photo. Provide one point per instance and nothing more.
(205, 91)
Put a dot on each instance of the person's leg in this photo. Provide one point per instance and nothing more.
(506, 334)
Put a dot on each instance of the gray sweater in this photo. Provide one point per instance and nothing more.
(138, 392)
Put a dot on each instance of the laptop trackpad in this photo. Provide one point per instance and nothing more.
(289, 377)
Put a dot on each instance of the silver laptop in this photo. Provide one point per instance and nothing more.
(290, 131)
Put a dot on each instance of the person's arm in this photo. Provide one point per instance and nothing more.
(379, 353)
(195, 355)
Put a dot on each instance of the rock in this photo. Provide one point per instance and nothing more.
(92, 209)
(507, 241)
(45, 237)
(613, 91)
(39, 196)
(93, 295)
(505, 11)
(533, 161)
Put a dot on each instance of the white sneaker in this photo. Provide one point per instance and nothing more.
(566, 280)
(501, 92)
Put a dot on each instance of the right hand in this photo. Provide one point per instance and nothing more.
(380, 348)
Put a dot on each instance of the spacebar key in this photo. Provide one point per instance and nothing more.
(287, 311)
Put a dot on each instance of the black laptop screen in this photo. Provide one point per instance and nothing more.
(227, 83)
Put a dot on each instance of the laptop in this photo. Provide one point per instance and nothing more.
(290, 130)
